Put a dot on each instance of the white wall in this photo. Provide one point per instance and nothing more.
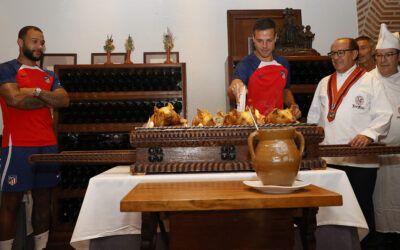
(200, 27)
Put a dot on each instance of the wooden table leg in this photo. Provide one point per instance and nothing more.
(149, 231)
(307, 224)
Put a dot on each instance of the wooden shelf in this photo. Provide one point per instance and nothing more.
(307, 58)
(98, 127)
(119, 66)
(79, 77)
(303, 88)
(124, 95)
(86, 158)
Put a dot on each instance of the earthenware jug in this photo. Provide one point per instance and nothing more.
(276, 158)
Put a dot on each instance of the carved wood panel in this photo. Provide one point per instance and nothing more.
(240, 25)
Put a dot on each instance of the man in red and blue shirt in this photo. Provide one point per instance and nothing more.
(27, 96)
(265, 74)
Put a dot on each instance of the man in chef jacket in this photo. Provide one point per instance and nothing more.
(353, 109)
(386, 195)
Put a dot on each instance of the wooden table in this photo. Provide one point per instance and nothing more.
(227, 214)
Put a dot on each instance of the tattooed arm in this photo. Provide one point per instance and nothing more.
(57, 98)
(18, 98)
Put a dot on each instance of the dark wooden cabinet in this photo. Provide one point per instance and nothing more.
(306, 72)
(106, 103)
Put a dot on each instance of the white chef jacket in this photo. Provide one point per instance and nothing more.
(386, 198)
(391, 86)
(364, 110)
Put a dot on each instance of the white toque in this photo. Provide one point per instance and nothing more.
(388, 40)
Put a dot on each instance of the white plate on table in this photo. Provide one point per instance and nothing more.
(272, 189)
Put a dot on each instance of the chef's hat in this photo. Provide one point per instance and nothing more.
(388, 40)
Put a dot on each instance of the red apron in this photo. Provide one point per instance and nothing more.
(265, 88)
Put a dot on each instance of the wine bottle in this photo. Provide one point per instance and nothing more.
(139, 80)
(177, 106)
(142, 111)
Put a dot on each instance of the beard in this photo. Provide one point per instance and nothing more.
(29, 54)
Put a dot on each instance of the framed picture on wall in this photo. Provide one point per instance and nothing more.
(100, 58)
(159, 57)
(50, 59)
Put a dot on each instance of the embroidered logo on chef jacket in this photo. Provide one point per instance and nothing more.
(359, 103)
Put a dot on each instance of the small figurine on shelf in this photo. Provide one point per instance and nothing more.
(168, 44)
(108, 48)
(129, 46)
(309, 37)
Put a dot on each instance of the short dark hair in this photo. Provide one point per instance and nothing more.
(366, 38)
(22, 32)
(264, 24)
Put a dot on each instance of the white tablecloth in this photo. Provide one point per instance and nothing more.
(100, 215)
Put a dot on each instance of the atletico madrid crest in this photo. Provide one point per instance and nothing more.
(12, 180)
(283, 75)
(46, 79)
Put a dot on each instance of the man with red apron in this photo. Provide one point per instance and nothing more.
(265, 74)
(265, 88)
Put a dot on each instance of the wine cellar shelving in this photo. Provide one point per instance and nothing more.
(306, 72)
(106, 103)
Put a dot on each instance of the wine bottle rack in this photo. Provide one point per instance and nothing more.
(310, 71)
(93, 141)
(106, 103)
(69, 209)
(80, 112)
(122, 79)
(74, 181)
(77, 177)
(306, 72)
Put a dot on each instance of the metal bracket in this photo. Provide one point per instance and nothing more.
(228, 152)
(156, 154)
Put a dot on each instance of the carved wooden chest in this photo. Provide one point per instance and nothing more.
(208, 149)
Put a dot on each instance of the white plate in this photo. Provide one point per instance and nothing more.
(271, 189)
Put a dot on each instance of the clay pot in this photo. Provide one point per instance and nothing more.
(276, 159)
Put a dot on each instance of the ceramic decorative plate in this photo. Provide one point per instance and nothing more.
(271, 189)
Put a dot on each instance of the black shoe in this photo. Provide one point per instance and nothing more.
(373, 241)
